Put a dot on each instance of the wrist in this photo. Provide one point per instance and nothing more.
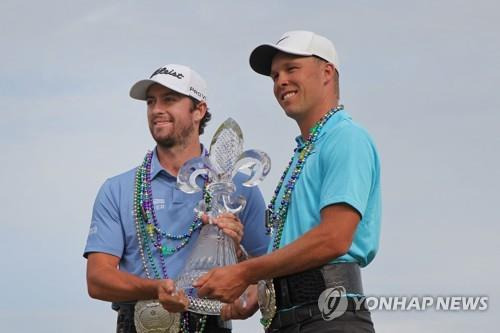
(246, 272)
(152, 288)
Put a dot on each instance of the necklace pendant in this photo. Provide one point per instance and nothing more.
(269, 218)
(267, 301)
(166, 251)
(273, 220)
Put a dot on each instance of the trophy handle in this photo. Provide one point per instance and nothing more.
(189, 172)
(257, 162)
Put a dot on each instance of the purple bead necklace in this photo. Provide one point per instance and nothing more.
(147, 226)
(149, 233)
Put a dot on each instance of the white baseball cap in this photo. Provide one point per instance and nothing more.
(179, 78)
(301, 43)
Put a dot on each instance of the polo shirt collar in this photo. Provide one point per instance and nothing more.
(156, 167)
(330, 124)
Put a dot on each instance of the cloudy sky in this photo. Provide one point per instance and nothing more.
(421, 76)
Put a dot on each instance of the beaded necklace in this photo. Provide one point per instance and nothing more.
(149, 233)
(277, 217)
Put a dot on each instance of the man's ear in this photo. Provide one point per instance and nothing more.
(199, 111)
(329, 72)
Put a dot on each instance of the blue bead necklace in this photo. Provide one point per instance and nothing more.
(276, 216)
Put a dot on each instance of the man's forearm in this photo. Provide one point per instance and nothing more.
(315, 248)
(110, 284)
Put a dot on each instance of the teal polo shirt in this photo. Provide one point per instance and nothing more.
(343, 167)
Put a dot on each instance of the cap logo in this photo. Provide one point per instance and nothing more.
(164, 70)
(282, 39)
(197, 93)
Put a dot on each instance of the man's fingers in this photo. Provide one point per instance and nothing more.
(167, 286)
(225, 313)
(228, 215)
(170, 299)
(232, 234)
(181, 295)
(205, 219)
(238, 227)
(230, 225)
(233, 230)
(174, 303)
(183, 299)
(222, 217)
(227, 218)
(233, 311)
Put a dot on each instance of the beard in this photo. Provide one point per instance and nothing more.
(177, 138)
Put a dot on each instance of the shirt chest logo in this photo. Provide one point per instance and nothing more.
(159, 203)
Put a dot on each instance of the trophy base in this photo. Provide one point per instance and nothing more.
(199, 305)
(204, 306)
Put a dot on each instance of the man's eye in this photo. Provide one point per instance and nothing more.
(169, 98)
(149, 101)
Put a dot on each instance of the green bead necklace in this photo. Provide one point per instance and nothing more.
(149, 233)
(277, 216)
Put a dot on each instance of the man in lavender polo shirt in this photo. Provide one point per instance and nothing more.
(177, 114)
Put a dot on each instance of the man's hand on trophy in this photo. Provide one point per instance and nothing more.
(230, 225)
(242, 309)
(225, 284)
(172, 300)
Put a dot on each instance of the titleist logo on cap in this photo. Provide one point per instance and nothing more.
(164, 70)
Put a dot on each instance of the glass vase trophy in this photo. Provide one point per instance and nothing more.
(213, 247)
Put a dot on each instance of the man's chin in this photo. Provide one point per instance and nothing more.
(290, 112)
(165, 142)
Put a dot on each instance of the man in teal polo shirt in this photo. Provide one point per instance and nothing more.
(325, 213)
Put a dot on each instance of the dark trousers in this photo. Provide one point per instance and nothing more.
(349, 322)
(125, 323)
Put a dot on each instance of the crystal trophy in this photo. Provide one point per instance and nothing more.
(213, 247)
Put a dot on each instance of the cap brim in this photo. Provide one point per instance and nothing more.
(262, 56)
(139, 89)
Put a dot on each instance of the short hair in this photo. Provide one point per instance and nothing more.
(335, 75)
(206, 118)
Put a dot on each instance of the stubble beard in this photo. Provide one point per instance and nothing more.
(177, 138)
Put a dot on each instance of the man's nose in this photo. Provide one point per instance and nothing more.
(281, 80)
(158, 108)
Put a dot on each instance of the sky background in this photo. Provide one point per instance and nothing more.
(421, 76)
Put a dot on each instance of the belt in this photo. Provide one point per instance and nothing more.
(302, 313)
(306, 287)
(126, 319)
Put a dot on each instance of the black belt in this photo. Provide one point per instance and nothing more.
(126, 311)
(302, 313)
(306, 287)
